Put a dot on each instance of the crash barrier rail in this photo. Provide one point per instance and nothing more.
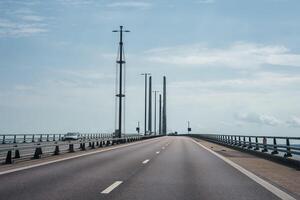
(31, 138)
(282, 146)
(38, 150)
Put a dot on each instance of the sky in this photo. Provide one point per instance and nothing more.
(232, 66)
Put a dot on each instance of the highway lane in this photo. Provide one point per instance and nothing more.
(162, 168)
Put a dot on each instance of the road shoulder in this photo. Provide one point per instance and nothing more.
(284, 177)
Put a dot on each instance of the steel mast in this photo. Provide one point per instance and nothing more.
(120, 61)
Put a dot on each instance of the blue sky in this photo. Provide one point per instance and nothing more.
(232, 66)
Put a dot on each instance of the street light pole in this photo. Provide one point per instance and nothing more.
(120, 95)
(150, 107)
(155, 92)
(145, 122)
(159, 123)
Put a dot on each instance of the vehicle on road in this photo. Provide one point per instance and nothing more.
(72, 136)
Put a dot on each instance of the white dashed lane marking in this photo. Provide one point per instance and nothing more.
(111, 187)
(145, 161)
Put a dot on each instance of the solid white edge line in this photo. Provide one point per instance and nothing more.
(157, 152)
(145, 161)
(279, 193)
(72, 157)
(111, 187)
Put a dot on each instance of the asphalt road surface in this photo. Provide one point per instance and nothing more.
(161, 168)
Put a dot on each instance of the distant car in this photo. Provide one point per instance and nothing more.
(72, 136)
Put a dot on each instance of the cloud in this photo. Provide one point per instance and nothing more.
(239, 55)
(33, 18)
(259, 82)
(294, 122)
(75, 2)
(21, 22)
(20, 29)
(130, 4)
(205, 1)
(86, 74)
(261, 119)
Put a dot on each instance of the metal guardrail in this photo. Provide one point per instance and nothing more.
(285, 146)
(16, 152)
(31, 138)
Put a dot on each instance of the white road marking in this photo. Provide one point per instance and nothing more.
(279, 193)
(157, 152)
(112, 187)
(145, 161)
(72, 157)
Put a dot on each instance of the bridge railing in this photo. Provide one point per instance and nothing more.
(31, 138)
(20, 151)
(282, 146)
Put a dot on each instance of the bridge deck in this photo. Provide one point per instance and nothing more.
(162, 168)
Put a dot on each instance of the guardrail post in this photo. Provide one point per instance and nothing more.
(288, 149)
(59, 137)
(82, 146)
(107, 142)
(24, 138)
(15, 139)
(3, 139)
(17, 153)
(32, 140)
(235, 141)
(244, 141)
(8, 159)
(265, 147)
(256, 144)
(38, 152)
(54, 137)
(97, 143)
(71, 148)
(56, 151)
(240, 143)
(250, 143)
(274, 146)
(90, 144)
(47, 137)
(41, 138)
(100, 144)
(93, 145)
